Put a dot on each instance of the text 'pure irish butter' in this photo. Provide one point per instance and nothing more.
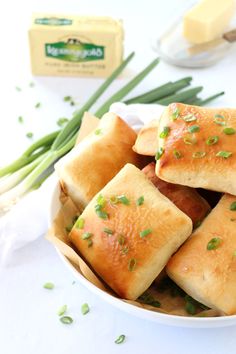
(75, 45)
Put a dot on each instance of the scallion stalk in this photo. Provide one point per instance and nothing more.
(11, 181)
(202, 102)
(160, 92)
(33, 152)
(75, 122)
(180, 96)
(126, 89)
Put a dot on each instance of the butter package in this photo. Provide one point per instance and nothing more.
(75, 45)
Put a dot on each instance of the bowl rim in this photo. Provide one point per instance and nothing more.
(158, 317)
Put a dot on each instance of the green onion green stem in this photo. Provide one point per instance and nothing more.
(160, 92)
(209, 99)
(75, 122)
(118, 96)
(180, 96)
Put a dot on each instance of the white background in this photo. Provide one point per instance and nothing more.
(29, 323)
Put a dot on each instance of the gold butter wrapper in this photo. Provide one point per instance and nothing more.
(75, 45)
(58, 236)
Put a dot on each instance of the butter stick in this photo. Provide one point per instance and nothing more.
(207, 20)
(75, 45)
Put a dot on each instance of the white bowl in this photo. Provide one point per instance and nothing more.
(171, 320)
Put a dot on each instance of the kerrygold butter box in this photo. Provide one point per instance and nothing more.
(75, 45)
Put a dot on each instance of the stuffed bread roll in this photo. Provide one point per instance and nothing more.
(185, 198)
(198, 147)
(205, 266)
(96, 159)
(128, 232)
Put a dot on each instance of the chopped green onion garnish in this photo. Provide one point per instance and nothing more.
(229, 131)
(101, 213)
(148, 299)
(190, 140)
(132, 264)
(61, 311)
(233, 206)
(159, 153)
(114, 200)
(38, 105)
(190, 308)
(67, 98)
(156, 303)
(224, 154)
(29, 135)
(70, 100)
(108, 231)
(120, 339)
(177, 154)
(193, 128)
(121, 240)
(140, 200)
(79, 224)
(18, 88)
(214, 243)
(101, 200)
(98, 132)
(219, 119)
(86, 235)
(198, 154)
(189, 118)
(125, 250)
(31, 84)
(90, 242)
(68, 228)
(20, 119)
(234, 253)
(165, 132)
(175, 114)
(197, 224)
(48, 286)
(145, 232)
(66, 320)
(123, 199)
(212, 140)
(62, 121)
(84, 309)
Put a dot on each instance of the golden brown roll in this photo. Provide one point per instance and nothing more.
(128, 232)
(96, 159)
(198, 148)
(147, 139)
(185, 198)
(205, 266)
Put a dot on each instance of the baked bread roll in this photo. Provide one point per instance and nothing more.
(96, 159)
(205, 266)
(147, 139)
(128, 232)
(199, 147)
(185, 198)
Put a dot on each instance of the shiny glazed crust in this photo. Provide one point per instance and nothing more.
(185, 198)
(112, 255)
(209, 171)
(96, 159)
(209, 276)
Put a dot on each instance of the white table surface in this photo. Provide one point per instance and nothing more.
(29, 323)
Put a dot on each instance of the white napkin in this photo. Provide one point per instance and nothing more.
(28, 219)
